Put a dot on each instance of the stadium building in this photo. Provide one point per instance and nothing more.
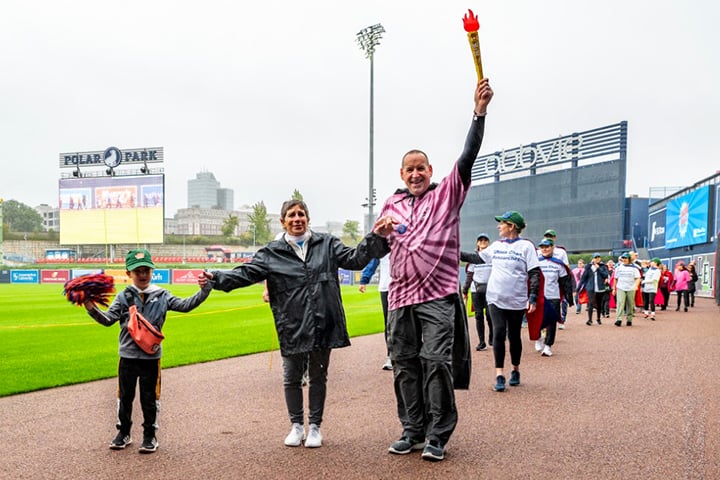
(575, 185)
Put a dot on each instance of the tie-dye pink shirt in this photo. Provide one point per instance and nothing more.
(424, 260)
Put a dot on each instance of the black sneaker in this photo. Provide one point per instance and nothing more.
(149, 445)
(500, 383)
(433, 451)
(120, 441)
(514, 378)
(598, 321)
(629, 324)
(618, 323)
(481, 347)
(588, 323)
(406, 445)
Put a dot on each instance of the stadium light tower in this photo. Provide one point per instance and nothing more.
(368, 38)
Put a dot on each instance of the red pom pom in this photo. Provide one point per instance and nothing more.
(96, 287)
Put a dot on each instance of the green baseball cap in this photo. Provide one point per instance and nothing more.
(513, 217)
(550, 233)
(138, 258)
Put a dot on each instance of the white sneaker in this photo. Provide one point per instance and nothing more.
(561, 326)
(314, 437)
(539, 344)
(546, 351)
(387, 365)
(296, 435)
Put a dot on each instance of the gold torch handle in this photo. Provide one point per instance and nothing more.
(475, 49)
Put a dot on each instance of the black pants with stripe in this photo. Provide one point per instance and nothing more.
(132, 371)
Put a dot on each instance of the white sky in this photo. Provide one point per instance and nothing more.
(271, 96)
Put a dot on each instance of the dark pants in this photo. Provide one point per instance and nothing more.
(683, 295)
(666, 296)
(649, 301)
(317, 367)
(420, 339)
(506, 324)
(132, 371)
(551, 327)
(595, 301)
(479, 302)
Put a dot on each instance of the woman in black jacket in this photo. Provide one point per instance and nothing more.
(692, 283)
(301, 272)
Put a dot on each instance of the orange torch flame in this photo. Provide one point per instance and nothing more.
(471, 24)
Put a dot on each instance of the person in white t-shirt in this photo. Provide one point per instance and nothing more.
(558, 286)
(476, 284)
(515, 264)
(625, 284)
(649, 288)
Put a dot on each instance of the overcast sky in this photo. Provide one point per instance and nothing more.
(273, 96)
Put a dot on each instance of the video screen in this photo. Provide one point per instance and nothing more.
(686, 219)
(104, 210)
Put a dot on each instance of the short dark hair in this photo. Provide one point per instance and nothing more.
(288, 204)
(410, 152)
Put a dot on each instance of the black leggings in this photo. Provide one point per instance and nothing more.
(683, 295)
(506, 323)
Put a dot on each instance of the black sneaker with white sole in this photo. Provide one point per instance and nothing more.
(149, 445)
(120, 441)
(406, 445)
(433, 451)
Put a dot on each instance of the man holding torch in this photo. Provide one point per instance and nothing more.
(424, 299)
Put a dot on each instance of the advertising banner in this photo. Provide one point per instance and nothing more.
(24, 276)
(120, 275)
(54, 276)
(4, 276)
(79, 272)
(657, 230)
(161, 276)
(345, 276)
(186, 275)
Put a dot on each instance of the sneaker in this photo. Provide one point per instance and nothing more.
(314, 437)
(646, 314)
(618, 323)
(652, 316)
(539, 345)
(500, 383)
(120, 441)
(433, 451)
(296, 435)
(481, 347)
(149, 444)
(628, 323)
(561, 326)
(546, 351)
(387, 365)
(514, 378)
(599, 322)
(406, 445)
(588, 323)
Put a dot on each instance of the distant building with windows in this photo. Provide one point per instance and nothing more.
(50, 216)
(204, 192)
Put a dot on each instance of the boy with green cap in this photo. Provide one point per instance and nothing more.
(137, 366)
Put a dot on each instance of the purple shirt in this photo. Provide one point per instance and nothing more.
(424, 260)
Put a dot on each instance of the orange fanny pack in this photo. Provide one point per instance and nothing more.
(147, 337)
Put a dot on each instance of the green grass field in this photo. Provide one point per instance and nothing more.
(47, 342)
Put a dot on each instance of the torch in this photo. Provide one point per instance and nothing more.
(470, 22)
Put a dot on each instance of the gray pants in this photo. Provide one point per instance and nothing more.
(420, 340)
(293, 369)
